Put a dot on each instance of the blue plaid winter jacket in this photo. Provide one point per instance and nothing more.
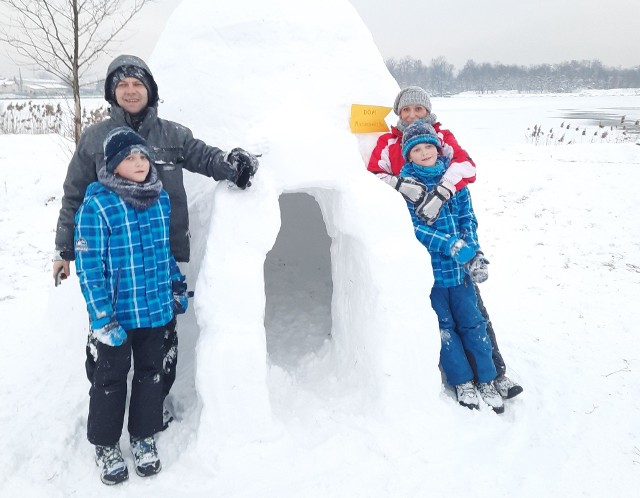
(123, 260)
(456, 221)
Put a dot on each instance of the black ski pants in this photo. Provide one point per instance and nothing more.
(169, 363)
(108, 372)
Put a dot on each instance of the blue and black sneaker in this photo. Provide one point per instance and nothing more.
(112, 466)
(145, 456)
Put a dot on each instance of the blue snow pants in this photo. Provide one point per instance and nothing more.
(465, 350)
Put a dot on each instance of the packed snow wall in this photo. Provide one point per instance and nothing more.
(278, 79)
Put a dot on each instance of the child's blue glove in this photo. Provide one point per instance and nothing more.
(112, 334)
(461, 252)
(180, 297)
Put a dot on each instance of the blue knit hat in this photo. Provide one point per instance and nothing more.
(419, 132)
(120, 143)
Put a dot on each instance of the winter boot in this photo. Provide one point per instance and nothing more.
(507, 388)
(113, 470)
(145, 456)
(491, 396)
(467, 396)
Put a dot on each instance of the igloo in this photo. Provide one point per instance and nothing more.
(278, 77)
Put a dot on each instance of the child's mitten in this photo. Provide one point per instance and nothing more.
(112, 334)
(461, 252)
(477, 268)
(180, 297)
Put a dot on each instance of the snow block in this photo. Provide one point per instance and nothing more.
(261, 78)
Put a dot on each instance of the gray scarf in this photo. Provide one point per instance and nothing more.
(431, 119)
(139, 195)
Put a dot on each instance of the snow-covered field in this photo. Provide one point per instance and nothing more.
(280, 392)
(557, 223)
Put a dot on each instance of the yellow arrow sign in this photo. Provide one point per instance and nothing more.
(368, 118)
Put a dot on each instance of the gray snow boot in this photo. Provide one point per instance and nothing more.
(467, 396)
(507, 388)
(145, 456)
(491, 396)
(113, 470)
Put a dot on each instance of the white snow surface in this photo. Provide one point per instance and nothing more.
(308, 360)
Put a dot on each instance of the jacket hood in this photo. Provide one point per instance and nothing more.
(130, 60)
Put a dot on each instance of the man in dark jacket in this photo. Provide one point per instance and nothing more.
(133, 94)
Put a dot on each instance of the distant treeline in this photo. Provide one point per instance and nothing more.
(442, 78)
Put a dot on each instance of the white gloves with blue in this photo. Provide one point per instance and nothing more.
(477, 268)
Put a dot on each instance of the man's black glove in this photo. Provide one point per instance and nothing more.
(477, 268)
(244, 164)
(428, 209)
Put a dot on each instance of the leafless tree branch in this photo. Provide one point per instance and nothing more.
(66, 37)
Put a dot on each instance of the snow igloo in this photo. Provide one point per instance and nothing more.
(312, 278)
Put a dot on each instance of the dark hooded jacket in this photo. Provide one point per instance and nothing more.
(172, 149)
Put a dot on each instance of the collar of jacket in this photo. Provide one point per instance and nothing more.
(121, 118)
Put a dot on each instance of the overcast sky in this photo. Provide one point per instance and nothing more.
(506, 31)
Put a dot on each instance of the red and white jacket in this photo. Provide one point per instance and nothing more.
(386, 158)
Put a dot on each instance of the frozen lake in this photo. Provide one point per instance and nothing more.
(467, 113)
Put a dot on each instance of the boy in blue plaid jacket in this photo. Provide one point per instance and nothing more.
(457, 261)
(133, 289)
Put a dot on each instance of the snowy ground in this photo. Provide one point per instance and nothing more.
(559, 226)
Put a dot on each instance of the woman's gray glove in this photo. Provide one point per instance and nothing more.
(412, 190)
(428, 209)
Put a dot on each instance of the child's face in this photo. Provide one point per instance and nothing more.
(424, 155)
(410, 113)
(134, 167)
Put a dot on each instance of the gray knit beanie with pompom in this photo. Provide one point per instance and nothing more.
(411, 95)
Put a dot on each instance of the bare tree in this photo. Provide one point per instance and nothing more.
(65, 37)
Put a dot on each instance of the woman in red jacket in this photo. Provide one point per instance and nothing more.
(411, 104)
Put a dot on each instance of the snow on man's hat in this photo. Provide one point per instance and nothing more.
(411, 95)
(120, 143)
(419, 132)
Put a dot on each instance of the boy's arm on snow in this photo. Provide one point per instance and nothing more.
(91, 236)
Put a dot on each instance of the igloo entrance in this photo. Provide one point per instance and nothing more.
(298, 284)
